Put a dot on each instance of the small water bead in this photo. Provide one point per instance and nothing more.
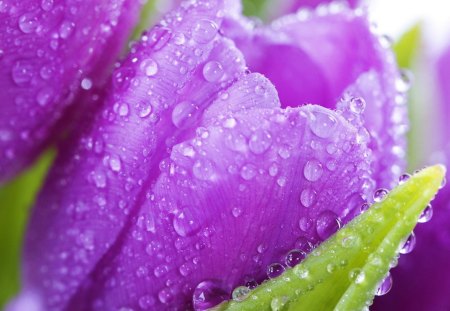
(158, 37)
(409, 244)
(331, 268)
(86, 84)
(251, 284)
(44, 96)
(182, 113)
(443, 183)
(240, 293)
(66, 29)
(47, 5)
(208, 294)
(403, 178)
(179, 38)
(357, 105)
(323, 124)
(123, 109)
(145, 111)
(260, 90)
(294, 257)
(22, 73)
(312, 170)
(307, 197)
(281, 181)
(327, 224)
(301, 272)
(185, 223)
(115, 163)
(204, 31)
(149, 67)
(248, 171)
(273, 169)
(165, 296)
(278, 303)
(385, 286)
(213, 71)
(386, 41)
(304, 245)
(426, 215)
(275, 270)
(380, 195)
(357, 275)
(260, 141)
(203, 169)
(146, 302)
(28, 22)
(364, 207)
(403, 82)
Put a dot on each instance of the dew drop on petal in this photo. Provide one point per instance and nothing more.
(426, 215)
(274, 270)
(357, 105)
(204, 31)
(208, 294)
(260, 141)
(86, 84)
(312, 170)
(409, 244)
(149, 67)
(213, 71)
(185, 223)
(385, 286)
(380, 195)
(323, 124)
(203, 169)
(294, 257)
(403, 178)
(182, 113)
(327, 224)
(307, 197)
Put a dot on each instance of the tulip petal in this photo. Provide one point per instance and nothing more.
(422, 278)
(232, 200)
(97, 183)
(316, 56)
(47, 49)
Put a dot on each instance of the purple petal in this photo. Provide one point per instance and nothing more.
(238, 196)
(422, 279)
(99, 182)
(47, 49)
(317, 56)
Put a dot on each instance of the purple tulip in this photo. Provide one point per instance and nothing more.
(203, 168)
(48, 49)
(426, 272)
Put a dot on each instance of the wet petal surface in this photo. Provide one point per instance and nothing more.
(50, 53)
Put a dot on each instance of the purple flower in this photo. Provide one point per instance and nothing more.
(203, 166)
(426, 271)
(48, 49)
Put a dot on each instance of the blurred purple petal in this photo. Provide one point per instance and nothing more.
(422, 279)
(315, 57)
(47, 49)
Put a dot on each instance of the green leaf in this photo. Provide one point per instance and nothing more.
(407, 46)
(254, 7)
(16, 198)
(344, 272)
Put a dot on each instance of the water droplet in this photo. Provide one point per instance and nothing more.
(145, 111)
(409, 244)
(240, 293)
(380, 195)
(165, 296)
(66, 29)
(204, 31)
(426, 215)
(123, 109)
(312, 170)
(386, 41)
(327, 224)
(22, 73)
(260, 141)
(146, 302)
(294, 257)
(260, 90)
(307, 197)
(122, 77)
(149, 67)
(273, 169)
(274, 270)
(203, 169)
(304, 245)
(281, 181)
(185, 223)
(248, 171)
(323, 124)
(403, 82)
(158, 37)
(182, 113)
(47, 5)
(44, 96)
(230, 123)
(301, 272)
(357, 105)
(278, 303)
(403, 178)
(364, 207)
(179, 38)
(86, 84)
(331, 268)
(385, 286)
(208, 294)
(161, 270)
(213, 71)
(114, 163)
(28, 22)
(357, 275)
